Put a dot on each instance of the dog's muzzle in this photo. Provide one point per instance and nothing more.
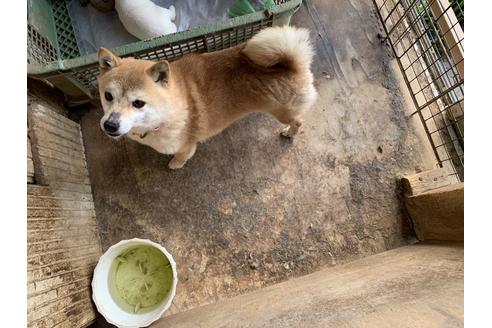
(112, 124)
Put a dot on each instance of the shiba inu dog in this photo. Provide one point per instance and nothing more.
(171, 107)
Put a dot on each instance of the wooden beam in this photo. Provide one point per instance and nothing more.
(425, 181)
(63, 243)
(435, 205)
(30, 163)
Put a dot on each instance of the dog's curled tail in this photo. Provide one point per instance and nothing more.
(284, 46)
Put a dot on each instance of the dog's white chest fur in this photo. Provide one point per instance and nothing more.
(168, 142)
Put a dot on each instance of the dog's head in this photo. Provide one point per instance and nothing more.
(134, 93)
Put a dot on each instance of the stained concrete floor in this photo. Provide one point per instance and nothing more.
(250, 209)
(412, 286)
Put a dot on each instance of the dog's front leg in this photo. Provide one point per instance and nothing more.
(291, 130)
(183, 155)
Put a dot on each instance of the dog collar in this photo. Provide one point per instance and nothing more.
(143, 135)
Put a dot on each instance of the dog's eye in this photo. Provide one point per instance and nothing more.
(108, 96)
(138, 103)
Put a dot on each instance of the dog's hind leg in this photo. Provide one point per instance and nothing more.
(182, 156)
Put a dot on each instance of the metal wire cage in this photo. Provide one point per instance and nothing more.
(428, 41)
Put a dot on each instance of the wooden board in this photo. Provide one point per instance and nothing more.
(438, 214)
(30, 163)
(425, 181)
(63, 241)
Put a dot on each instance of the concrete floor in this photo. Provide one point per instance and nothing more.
(412, 286)
(250, 209)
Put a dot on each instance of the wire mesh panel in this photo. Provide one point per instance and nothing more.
(39, 48)
(64, 30)
(428, 41)
(211, 42)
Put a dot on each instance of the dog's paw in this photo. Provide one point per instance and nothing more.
(286, 133)
(175, 164)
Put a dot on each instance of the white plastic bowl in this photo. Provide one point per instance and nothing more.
(103, 299)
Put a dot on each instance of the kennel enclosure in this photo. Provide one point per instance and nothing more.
(237, 232)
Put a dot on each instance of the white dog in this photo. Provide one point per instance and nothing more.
(144, 19)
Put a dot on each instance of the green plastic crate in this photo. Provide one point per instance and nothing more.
(53, 54)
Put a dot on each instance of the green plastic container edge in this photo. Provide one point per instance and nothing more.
(61, 66)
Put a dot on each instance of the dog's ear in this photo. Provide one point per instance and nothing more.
(107, 60)
(159, 72)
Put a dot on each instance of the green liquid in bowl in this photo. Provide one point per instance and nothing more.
(142, 278)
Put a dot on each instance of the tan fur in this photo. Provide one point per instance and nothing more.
(201, 94)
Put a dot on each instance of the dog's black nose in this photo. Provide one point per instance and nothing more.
(111, 126)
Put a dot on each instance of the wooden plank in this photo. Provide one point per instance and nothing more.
(63, 299)
(44, 109)
(41, 191)
(70, 186)
(41, 286)
(60, 223)
(30, 170)
(54, 141)
(438, 214)
(55, 245)
(61, 212)
(59, 267)
(30, 163)
(33, 201)
(57, 151)
(29, 150)
(66, 253)
(39, 236)
(62, 238)
(52, 317)
(81, 317)
(72, 136)
(76, 269)
(70, 169)
(425, 181)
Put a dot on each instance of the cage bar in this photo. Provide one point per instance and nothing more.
(427, 39)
